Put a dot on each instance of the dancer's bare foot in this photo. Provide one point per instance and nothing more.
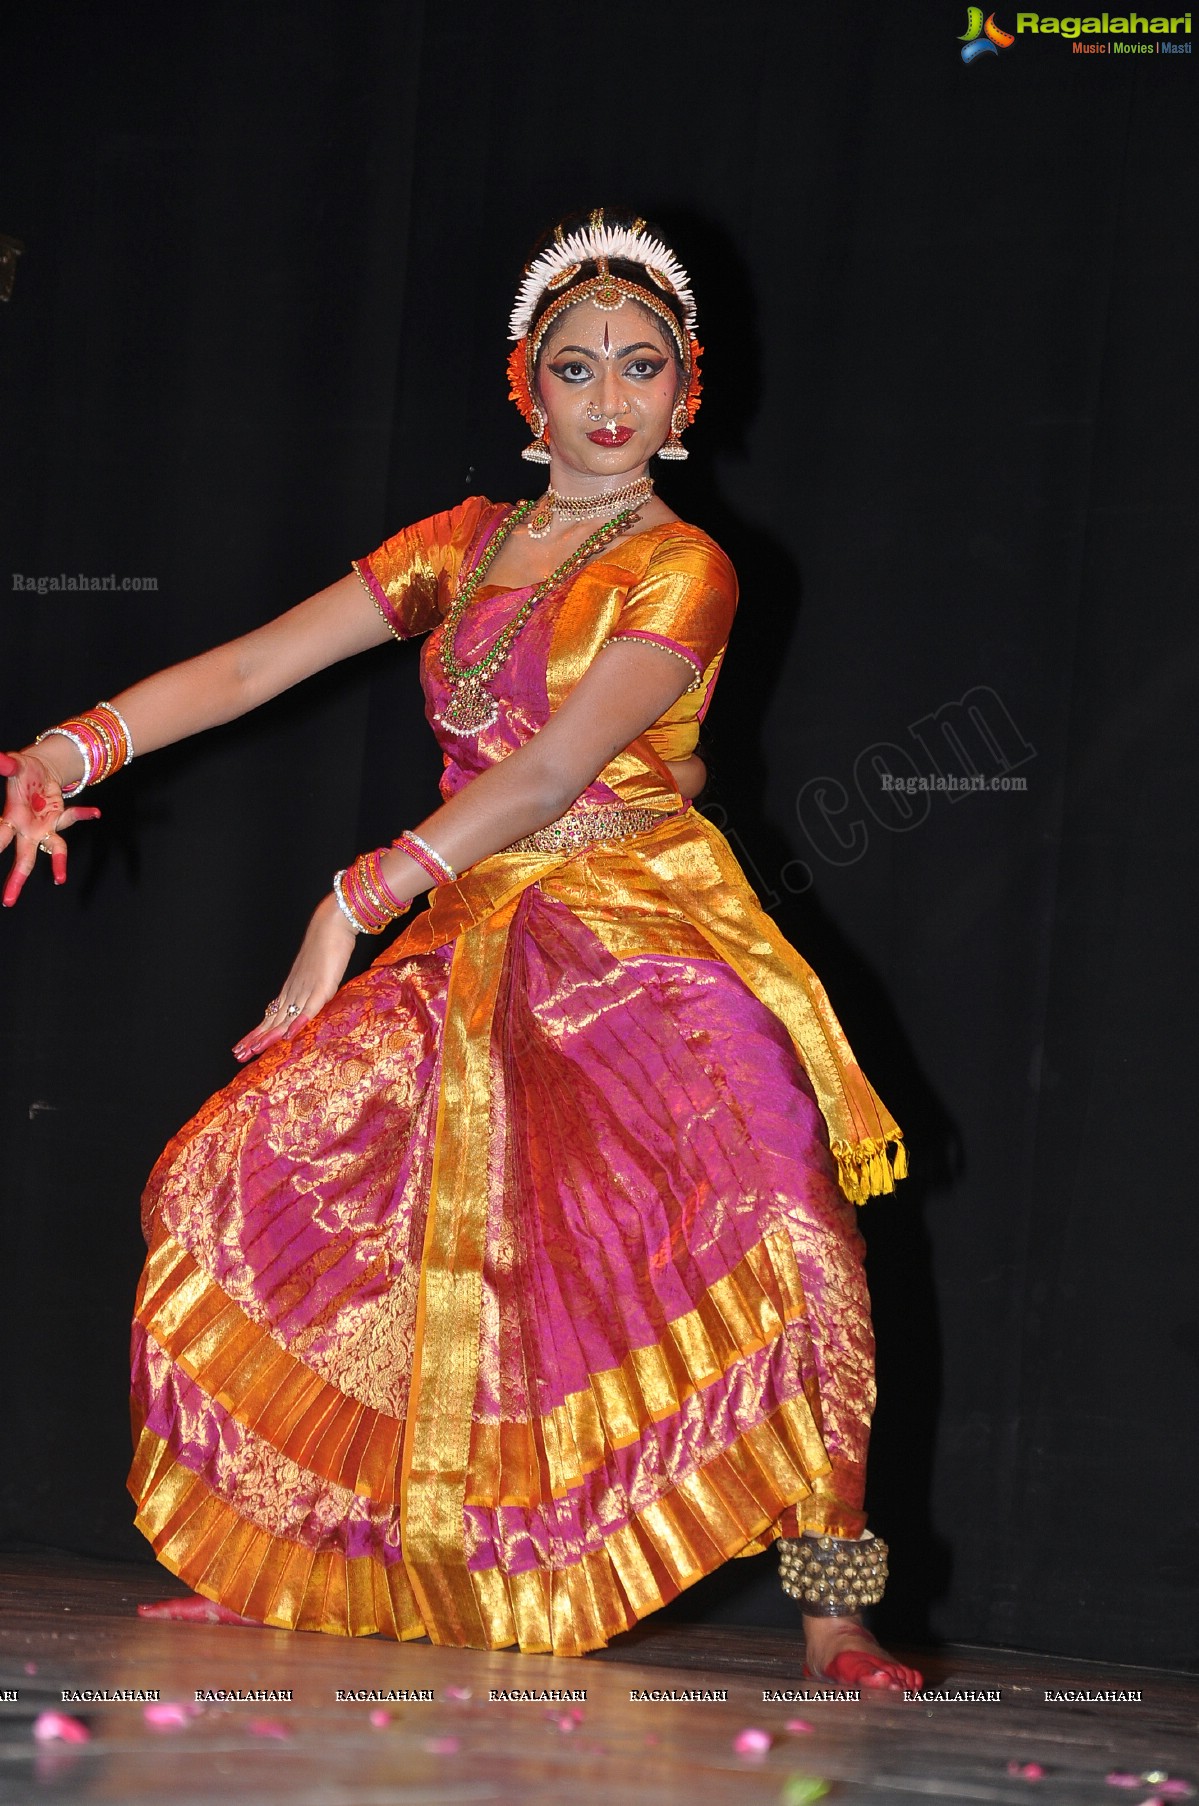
(191, 1609)
(842, 1650)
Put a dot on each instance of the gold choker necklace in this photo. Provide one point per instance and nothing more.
(585, 507)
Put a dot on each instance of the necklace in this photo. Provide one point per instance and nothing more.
(471, 706)
(584, 507)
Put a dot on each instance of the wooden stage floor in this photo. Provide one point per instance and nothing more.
(69, 1624)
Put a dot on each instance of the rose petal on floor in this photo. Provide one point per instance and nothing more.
(59, 1727)
(169, 1714)
(269, 1727)
(752, 1741)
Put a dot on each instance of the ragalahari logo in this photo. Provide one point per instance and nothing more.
(983, 37)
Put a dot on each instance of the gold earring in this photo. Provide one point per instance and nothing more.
(538, 452)
(673, 449)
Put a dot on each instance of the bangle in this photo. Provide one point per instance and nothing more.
(70, 790)
(344, 907)
(432, 862)
(365, 898)
(124, 727)
(102, 740)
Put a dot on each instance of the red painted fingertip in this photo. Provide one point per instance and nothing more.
(7, 766)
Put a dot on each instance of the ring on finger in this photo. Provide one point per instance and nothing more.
(274, 1006)
(293, 1009)
(43, 846)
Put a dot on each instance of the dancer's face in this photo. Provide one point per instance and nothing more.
(608, 383)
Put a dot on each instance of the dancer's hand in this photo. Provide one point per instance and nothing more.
(319, 968)
(35, 816)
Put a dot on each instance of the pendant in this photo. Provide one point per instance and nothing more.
(471, 707)
(541, 520)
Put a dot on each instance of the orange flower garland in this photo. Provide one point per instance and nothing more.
(694, 386)
(518, 380)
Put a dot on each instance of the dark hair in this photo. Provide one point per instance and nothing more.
(621, 218)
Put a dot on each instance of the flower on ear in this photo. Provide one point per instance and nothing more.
(518, 378)
(694, 387)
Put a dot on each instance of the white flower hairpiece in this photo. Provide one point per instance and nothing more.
(589, 243)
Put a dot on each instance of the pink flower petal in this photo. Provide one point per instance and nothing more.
(270, 1727)
(57, 1727)
(798, 1725)
(1118, 1778)
(1026, 1771)
(456, 1692)
(31, 1667)
(380, 1718)
(169, 1714)
(752, 1741)
(443, 1746)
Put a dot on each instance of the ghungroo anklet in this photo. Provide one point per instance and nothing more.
(833, 1576)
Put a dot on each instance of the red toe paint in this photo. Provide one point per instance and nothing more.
(862, 1668)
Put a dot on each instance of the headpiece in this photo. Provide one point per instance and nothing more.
(561, 263)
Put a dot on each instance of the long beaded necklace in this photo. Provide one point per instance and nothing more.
(471, 707)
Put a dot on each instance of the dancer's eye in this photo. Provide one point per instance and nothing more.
(645, 369)
(571, 371)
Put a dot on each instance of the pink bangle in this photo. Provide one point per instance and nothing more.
(102, 740)
(364, 896)
(439, 869)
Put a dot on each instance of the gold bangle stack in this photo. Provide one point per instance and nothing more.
(833, 1576)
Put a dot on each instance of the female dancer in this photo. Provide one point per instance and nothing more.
(516, 1286)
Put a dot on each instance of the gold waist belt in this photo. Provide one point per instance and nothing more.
(583, 827)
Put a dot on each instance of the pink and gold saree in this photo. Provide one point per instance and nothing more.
(523, 1287)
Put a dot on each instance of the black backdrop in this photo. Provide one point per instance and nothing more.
(948, 440)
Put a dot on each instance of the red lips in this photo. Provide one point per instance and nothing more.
(605, 436)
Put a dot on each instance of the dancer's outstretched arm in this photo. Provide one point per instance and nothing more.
(202, 692)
